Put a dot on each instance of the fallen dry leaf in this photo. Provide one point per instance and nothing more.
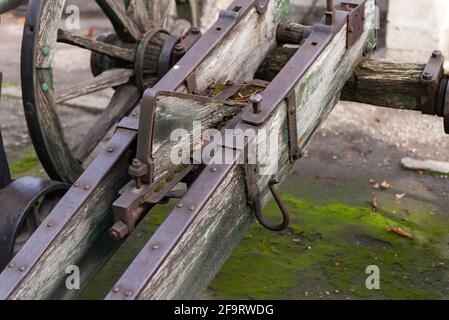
(371, 181)
(374, 203)
(385, 185)
(400, 196)
(401, 232)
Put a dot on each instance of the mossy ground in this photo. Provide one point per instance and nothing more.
(324, 254)
(326, 251)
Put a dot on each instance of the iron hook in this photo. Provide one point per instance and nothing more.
(285, 213)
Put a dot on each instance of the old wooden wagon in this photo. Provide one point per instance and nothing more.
(249, 73)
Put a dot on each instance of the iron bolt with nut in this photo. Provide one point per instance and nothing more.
(256, 100)
(138, 170)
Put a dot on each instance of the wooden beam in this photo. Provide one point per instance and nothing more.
(206, 243)
(75, 233)
(387, 84)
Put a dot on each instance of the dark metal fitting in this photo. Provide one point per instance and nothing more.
(119, 231)
(262, 6)
(432, 77)
(256, 100)
(437, 54)
(330, 13)
(195, 30)
(138, 170)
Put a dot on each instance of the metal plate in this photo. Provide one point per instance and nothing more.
(356, 19)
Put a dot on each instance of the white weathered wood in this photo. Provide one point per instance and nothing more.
(87, 222)
(108, 79)
(221, 224)
(209, 11)
(113, 51)
(47, 33)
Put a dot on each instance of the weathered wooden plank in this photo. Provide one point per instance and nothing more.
(108, 79)
(202, 249)
(127, 54)
(387, 84)
(80, 215)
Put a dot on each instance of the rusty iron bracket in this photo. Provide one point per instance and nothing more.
(254, 196)
(134, 202)
(431, 77)
(292, 117)
(356, 19)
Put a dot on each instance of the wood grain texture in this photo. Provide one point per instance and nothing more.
(86, 221)
(67, 166)
(221, 224)
(387, 84)
(209, 10)
(253, 31)
(113, 51)
(108, 79)
(127, 22)
(47, 32)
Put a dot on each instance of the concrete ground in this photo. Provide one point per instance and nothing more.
(335, 234)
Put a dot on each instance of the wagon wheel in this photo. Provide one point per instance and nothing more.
(126, 59)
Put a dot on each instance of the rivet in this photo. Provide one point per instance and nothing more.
(77, 185)
(22, 269)
(192, 208)
(176, 67)
(86, 187)
(437, 54)
(50, 224)
(11, 265)
(111, 150)
(180, 205)
(427, 76)
(128, 293)
(46, 51)
(45, 87)
(155, 246)
(214, 169)
(134, 114)
(116, 289)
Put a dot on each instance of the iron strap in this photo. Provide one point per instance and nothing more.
(284, 83)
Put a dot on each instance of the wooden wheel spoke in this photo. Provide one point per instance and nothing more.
(120, 20)
(124, 99)
(110, 50)
(150, 14)
(108, 79)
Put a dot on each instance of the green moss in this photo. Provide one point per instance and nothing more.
(27, 164)
(325, 254)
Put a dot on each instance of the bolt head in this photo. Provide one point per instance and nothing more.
(45, 87)
(256, 98)
(437, 54)
(427, 76)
